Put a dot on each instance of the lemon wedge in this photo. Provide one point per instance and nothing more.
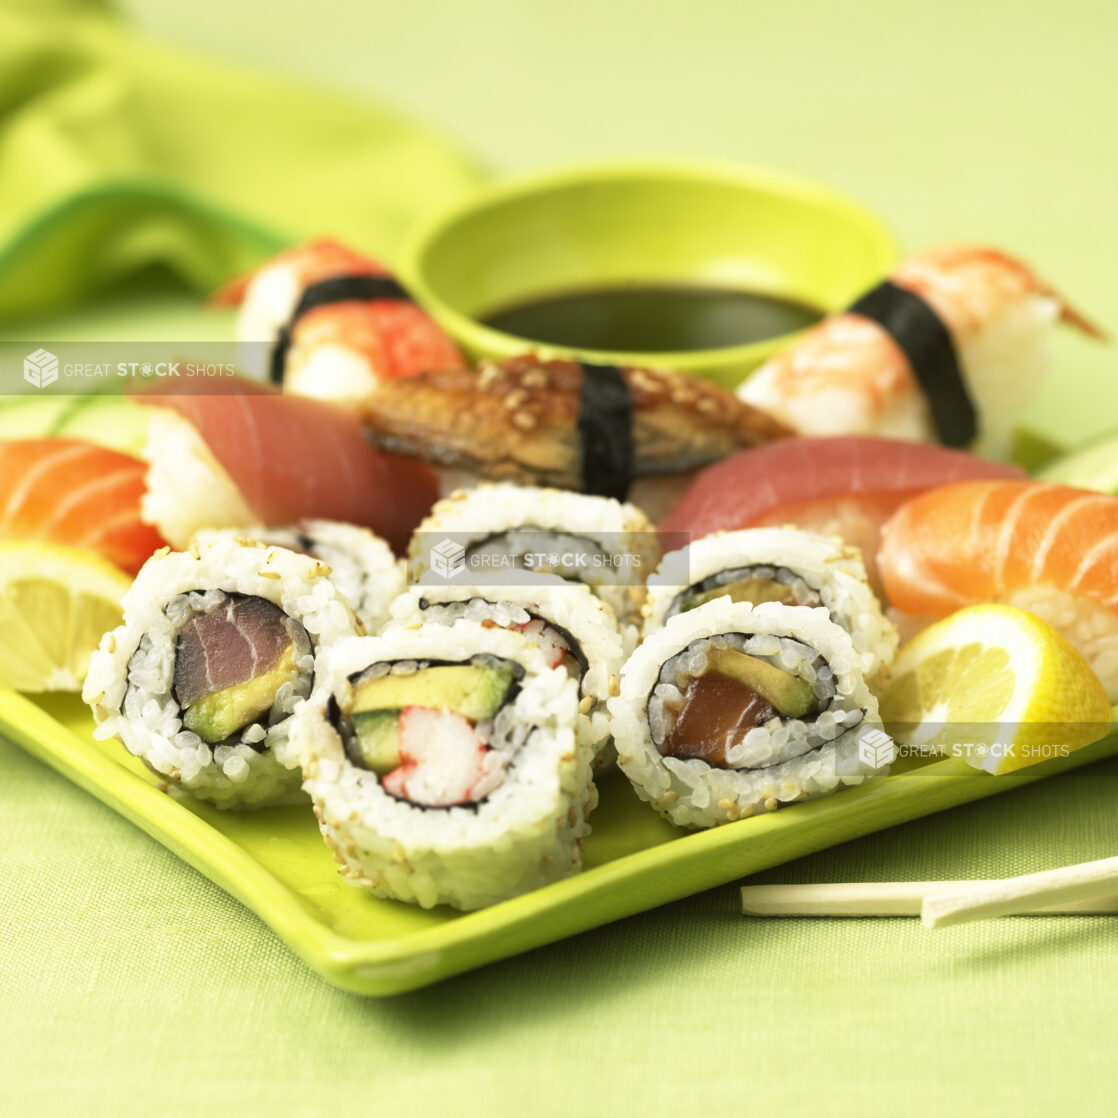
(55, 605)
(996, 686)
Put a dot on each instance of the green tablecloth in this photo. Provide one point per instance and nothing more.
(130, 985)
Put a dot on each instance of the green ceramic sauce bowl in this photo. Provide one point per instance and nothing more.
(674, 224)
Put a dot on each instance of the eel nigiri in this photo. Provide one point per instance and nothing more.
(325, 321)
(843, 486)
(255, 456)
(1050, 549)
(546, 423)
(949, 349)
(73, 493)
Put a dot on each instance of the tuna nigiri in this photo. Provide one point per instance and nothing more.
(1050, 549)
(847, 486)
(328, 322)
(68, 492)
(255, 456)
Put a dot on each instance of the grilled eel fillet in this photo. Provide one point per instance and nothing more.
(517, 420)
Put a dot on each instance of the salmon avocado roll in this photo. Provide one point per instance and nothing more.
(732, 709)
(444, 764)
(217, 647)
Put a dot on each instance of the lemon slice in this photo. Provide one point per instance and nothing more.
(996, 686)
(55, 604)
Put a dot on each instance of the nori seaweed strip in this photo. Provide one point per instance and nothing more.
(337, 289)
(605, 431)
(927, 344)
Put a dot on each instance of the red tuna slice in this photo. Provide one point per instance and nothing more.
(846, 485)
(294, 458)
(73, 493)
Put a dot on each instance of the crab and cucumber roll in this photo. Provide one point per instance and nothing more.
(732, 709)
(572, 628)
(217, 648)
(783, 565)
(598, 541)
(361, 564)
(444, 764)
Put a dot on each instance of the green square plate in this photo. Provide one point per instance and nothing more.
(274, 861)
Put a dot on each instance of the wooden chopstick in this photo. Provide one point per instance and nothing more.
(912, 898)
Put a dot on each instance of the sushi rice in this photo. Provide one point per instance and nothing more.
(781, 761)
(130, 685)
(524, 833)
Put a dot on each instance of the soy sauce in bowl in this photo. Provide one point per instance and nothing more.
(653, 318)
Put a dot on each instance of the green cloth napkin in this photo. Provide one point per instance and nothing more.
(118, 155)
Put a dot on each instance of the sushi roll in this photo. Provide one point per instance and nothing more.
(361, 564)
(776, 565)
(732, 709)
(217, 647)
(600, 542)
(574, 630)
(444, 766)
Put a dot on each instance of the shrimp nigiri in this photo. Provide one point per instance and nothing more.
(326, 321)
(1050, 549)
(850, 375)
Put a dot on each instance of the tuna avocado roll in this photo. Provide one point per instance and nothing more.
(217, 648)
(732, 709)
(444, 765)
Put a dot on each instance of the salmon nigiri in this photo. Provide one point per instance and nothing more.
(253, 456)
(74, 493)
(1050, 549)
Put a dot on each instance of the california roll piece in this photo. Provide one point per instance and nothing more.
(573, 629)
(361, 564)
(776, 565)
(604, 544)
(444, 764)
(217, 648)
(733, 709)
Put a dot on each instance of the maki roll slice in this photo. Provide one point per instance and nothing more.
(732, 709)
(781, 565)
(361, 564)
(217, 648)
(572, 628)
(597, 541)
(444, 765)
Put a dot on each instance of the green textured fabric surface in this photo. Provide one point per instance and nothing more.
(119, 155)
(130, 985)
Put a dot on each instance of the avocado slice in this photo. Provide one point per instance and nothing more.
(476, 691)
(378, 739)
(755, 590)
(791, 696)
(222, 714)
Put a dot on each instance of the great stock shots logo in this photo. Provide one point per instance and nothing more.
(40, 368)
(876, 748)
(448, 558)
